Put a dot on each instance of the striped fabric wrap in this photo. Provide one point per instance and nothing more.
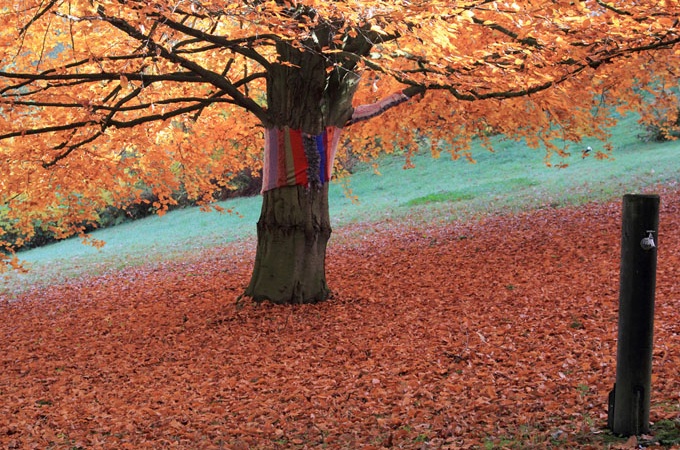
(365, 112)
(292, 157)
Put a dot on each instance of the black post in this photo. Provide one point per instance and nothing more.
(629, 401)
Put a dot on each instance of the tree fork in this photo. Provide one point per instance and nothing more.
(293, 231)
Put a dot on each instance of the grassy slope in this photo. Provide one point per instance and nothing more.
(512, 178)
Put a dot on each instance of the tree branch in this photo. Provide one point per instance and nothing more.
(182, 77)
(209, 76)
(236, 45)
(528, 41)
(420, 87)
(109, 122)
(613, 8)
(70, 149)
(366, 112)
(37, 16)
(138, 107)
(51, 129)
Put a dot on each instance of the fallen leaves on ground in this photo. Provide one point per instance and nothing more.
(500, 332)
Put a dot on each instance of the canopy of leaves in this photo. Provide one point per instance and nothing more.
(101, 99)
(502, 336)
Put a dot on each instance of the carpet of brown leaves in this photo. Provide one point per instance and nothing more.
(497, 332)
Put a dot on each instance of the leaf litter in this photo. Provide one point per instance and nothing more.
(493, 333)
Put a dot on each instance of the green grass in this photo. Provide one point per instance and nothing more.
(512, 178)
(438, 197)
(149, 240)
(667, 432)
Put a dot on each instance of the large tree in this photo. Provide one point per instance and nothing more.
(101, 99)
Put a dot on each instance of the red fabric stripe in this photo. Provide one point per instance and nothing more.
(286, 160)
(299, 157)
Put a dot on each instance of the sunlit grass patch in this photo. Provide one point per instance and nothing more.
(440, 197)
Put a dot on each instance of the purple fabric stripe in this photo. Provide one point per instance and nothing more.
(320, 147)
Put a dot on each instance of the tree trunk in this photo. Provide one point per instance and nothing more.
(308, 103)
(292, 234)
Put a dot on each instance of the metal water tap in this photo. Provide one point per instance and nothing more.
(648, 243)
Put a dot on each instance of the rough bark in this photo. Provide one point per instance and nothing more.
(294, 226)
(292, 233)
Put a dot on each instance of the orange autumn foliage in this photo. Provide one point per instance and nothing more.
(102, 99)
